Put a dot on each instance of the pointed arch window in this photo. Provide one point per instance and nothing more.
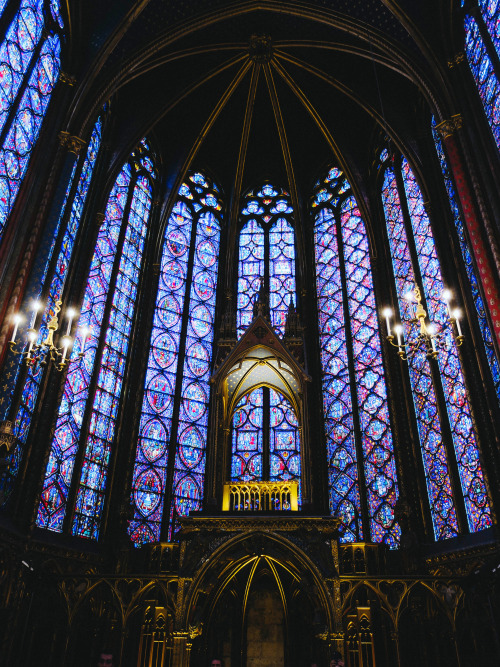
(265, 439)
(85, 427)
(30, 65)
(362, 476)
(169, 469)
(266, 251)
(47, 284)
(414, 259)
(265, 434)
(469, 263)
(482, 46)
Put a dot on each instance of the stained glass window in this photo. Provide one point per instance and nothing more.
(128, 204)
(266, 257)
(469, 264)
(483, 72)
(64, 240)
(247, 448)
(260, 454)
(28, 73)
(181, 338)
(359, 442)
(435, 461)
(267, 252)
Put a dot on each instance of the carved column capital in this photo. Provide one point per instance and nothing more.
(71, 142)
(447, 127)
(66, 78)
(99, 219)
(456, 60)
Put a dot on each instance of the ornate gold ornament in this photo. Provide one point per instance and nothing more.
(428, 338)
(448, 127)
(73, 143)
(46, 351)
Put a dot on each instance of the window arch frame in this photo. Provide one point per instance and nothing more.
(137, 171)
(394, 160)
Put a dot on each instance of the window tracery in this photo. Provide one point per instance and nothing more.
(174, 416)
(29, 68)
(107, 311)
(469, 264)
(357, 424)
(63, 242)
(414, 258)
(480, 57)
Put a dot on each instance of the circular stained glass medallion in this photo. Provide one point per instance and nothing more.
(159, 393)
(169, 311)
(164, 350)
(177, 243)
(201, 320)
(173, 275)
(204, 285)
(195, 400)
(153, 440)
(187, 496)
(191, 447)
(207, 253)
(147, 492)
(198, 359)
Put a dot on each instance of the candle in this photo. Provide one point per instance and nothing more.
(17, 319)
(66, 344)
(85, 333)
(399, 330)
(457, 314)
(70, 314)
(447, 298)
(387, 314)
(36, 305)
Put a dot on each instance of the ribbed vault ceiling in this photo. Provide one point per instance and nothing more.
(255, 90)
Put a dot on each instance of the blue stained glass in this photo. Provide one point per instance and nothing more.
(90, 495)
(343, 480)
(378, 447)
(16, 51)
(484, 75)
(281, 271)
(457, 402)
(55, 10)
(23, 133)
(469, 265)
(490, 10)
(189, 223)
(284, 441)
(189, 464)
(59, 471)
(270, 216)
(250, 271)
(246, 460)
(435, 462)
(32, 383)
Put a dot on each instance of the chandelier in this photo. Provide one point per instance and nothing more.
(426, 336)
(46, 350)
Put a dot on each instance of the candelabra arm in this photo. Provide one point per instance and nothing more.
(52, 326)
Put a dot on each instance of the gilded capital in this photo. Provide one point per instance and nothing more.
(447, 127)
(71, 142)
(459, 58)
(64, 77)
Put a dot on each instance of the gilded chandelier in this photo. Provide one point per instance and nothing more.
(428, 338)
(47, 351)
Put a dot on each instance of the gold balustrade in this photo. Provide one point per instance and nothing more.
(260, 496)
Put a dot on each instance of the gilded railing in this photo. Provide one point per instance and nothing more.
(260, 496)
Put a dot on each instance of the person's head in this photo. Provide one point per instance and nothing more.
(216, 662)
(336, 660)
(105, 659)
